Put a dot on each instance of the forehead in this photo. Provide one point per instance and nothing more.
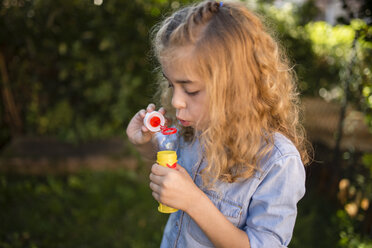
(179, 64)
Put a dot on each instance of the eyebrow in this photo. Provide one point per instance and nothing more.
(178, 81)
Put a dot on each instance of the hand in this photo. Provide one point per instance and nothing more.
(173, 187)
(136, 131)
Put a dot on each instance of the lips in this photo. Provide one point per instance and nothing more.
(184, 123)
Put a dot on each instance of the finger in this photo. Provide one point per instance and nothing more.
(150, 108)
(156, 196)
(144, 129)
(155, 178)
(142, 113)
(179, 167)
(162, 111)
(155, 188)
(159, 170)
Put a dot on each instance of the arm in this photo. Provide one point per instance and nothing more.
(175, 188)
(273, 206)
(215, 225)
(271, 213)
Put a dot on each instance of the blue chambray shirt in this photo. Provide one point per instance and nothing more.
(263, 206)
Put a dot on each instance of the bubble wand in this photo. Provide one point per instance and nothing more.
(167, 155)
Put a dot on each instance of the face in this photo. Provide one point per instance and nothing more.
(189, 94)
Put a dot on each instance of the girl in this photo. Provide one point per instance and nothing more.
(230, 92)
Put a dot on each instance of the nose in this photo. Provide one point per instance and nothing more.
(178, 102)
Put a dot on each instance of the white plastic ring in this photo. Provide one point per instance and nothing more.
(149, 116)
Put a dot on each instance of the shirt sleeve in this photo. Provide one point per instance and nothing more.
(273, 208)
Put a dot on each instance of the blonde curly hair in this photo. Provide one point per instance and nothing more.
(251, 89)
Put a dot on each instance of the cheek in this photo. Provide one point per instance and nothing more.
(201, 108)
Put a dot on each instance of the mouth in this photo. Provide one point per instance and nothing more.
(183, 122)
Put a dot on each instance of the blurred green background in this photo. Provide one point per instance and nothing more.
(74, 72)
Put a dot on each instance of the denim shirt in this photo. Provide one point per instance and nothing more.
(263, 206)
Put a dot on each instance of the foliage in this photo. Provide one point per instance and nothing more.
(328, 50)
(354, 64)
(296, 43)
(341, 56)
(88, 209)
(78, 70)
(349, 237)
(349, 48)
(355, 195)
(316, 225)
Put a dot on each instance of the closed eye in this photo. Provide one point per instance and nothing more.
(192, 93)
(189, 93)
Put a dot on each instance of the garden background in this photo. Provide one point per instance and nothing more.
(74, 72)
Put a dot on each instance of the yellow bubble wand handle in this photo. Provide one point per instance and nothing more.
(167, 159)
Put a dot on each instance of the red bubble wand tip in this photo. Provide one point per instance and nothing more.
(167, 130)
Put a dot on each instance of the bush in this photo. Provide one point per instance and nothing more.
(88, 209)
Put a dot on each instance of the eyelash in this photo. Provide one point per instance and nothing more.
(189, 93)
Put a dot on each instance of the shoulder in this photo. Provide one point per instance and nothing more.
(284, 146)
(283, 156)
